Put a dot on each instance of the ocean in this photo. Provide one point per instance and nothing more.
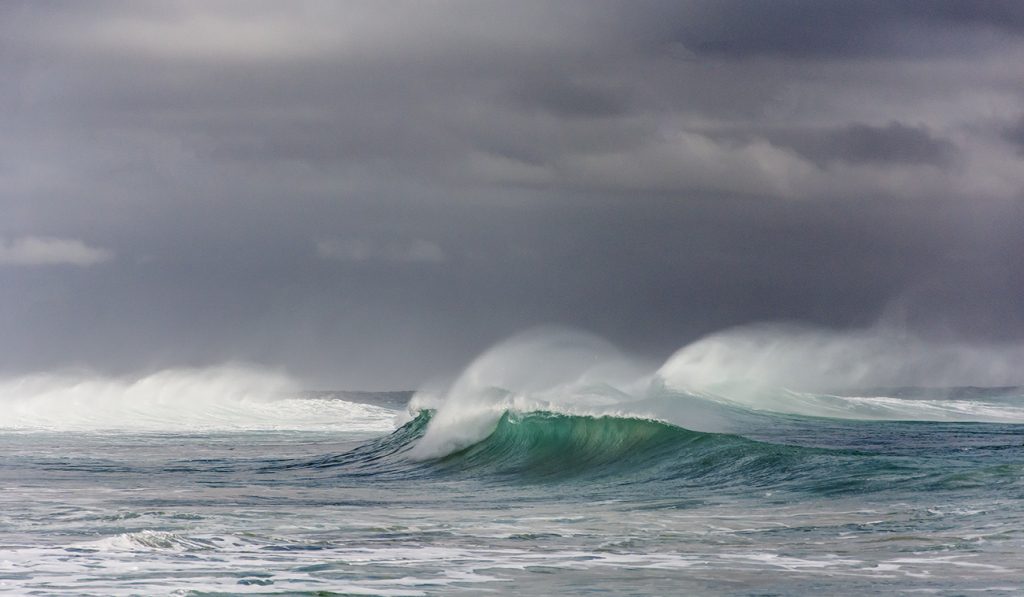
(229, 482)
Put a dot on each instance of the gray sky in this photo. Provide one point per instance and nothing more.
(369, 193)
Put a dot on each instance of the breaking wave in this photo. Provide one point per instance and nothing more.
(624, 456)
(229, 398)
(731, 382)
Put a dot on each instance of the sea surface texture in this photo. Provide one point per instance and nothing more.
(121, 490)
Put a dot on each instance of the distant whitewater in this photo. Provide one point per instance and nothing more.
(762, 460)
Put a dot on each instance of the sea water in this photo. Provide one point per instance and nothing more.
(502, 483)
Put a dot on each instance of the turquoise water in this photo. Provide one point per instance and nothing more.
(533, 501)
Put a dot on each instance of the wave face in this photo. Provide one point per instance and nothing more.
(630, 457)
(543, 445)
(547, 446)
(637, 456)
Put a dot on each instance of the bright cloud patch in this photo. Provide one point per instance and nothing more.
(359, 251)
(39, 250)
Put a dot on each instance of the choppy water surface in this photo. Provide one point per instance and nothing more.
(546, 503)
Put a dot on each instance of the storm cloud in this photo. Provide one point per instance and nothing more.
(366, 194)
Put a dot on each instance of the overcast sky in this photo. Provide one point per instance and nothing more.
(368, 193)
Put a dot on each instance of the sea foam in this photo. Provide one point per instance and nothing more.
(227, 398)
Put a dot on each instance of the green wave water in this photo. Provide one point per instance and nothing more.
(629, 456)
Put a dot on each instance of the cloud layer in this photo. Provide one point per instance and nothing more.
(314, 185)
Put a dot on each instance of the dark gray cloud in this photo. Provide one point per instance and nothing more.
(895, 144)
(839, 30)
(1014, 133)
(367, 194)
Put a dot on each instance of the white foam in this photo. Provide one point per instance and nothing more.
(809, 359)
(753, 367)
(229, 398)
(546, 369)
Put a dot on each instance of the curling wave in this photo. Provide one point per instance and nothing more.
(623, 455)
(617, 453)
